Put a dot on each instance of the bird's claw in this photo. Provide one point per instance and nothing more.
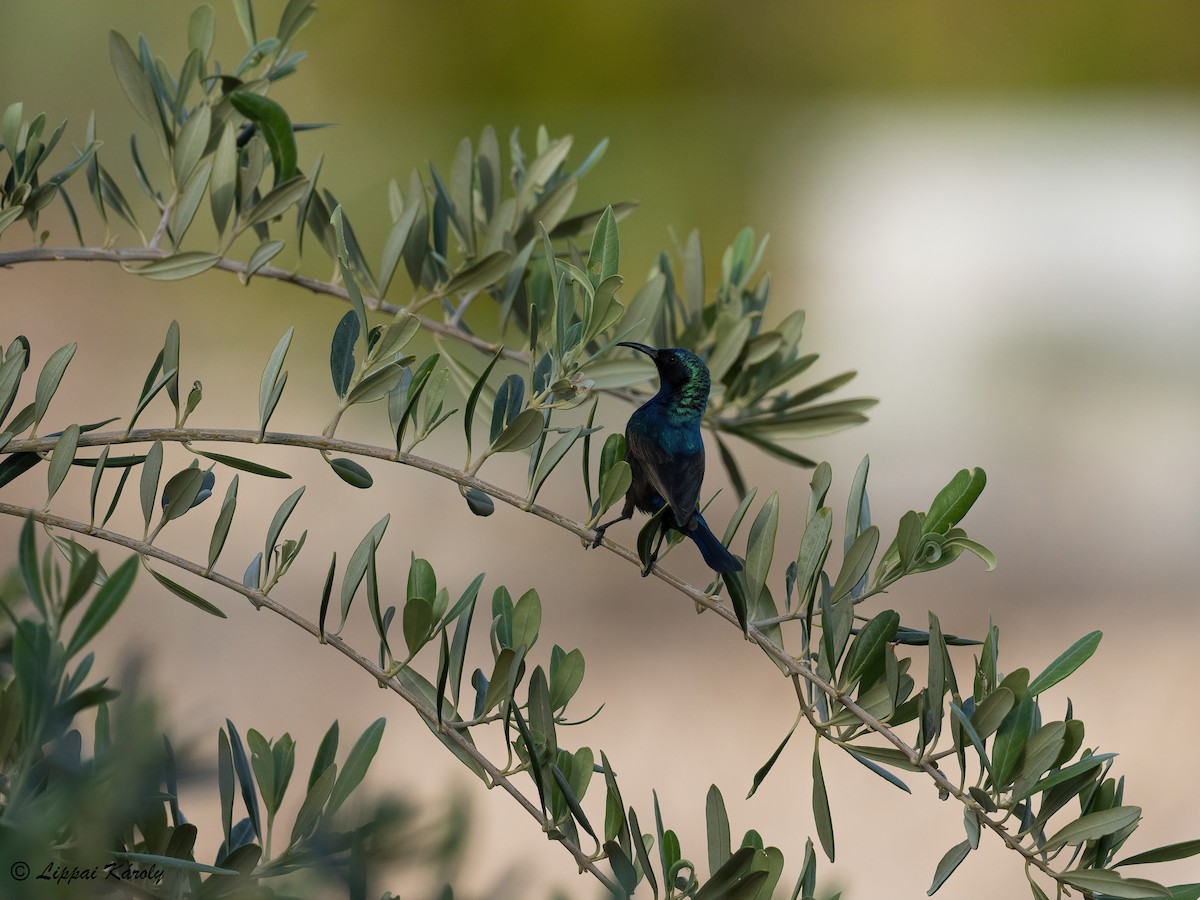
(598, 538)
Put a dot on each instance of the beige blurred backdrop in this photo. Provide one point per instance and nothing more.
(992, 212)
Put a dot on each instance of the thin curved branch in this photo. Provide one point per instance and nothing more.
(150, 254)
(260, 601)
(790, 664)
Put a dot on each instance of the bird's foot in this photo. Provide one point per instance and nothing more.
(649, 567)
(598, 538)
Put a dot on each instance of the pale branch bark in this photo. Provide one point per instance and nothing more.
(790, 664)
(260, 601)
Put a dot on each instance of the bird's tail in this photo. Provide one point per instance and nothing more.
(715, 555)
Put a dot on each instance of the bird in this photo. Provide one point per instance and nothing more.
(666, 455)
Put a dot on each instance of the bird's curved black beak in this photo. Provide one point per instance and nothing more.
(642, 348)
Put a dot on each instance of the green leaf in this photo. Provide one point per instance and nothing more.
(378, 384)
(502, 672)
(326, 754)
(856, 505)
(1066, 774)
(766, 767)
(355, 767)
(61, 458)
(181, 491)
(728, 881)
(760, 547)
(962, 543)
(880, 771)
(107, 601)
(314, 802)
(992, 710)
(814, 548)
(133, 80)
(473, 398)
(522, 432)
(177, 266)
(1010, 740)
(243, 465)
(263, 254)
(399, 332)
(566, 674)
(278, 521)
(418, 623)
(820, 800)
(622, 868)
(49, 379)
(357, 567)
(552, 458)
(276, 129)
(1111, 884)
(351, 472)
(151, 469)
(277, 201)
(224, 519)
(573, 802)
(1181, 850)
(183, 593)
(189, 202)
(604, 258)
(464, 612)
(223, 181)
(1067, 662)
(866, 652)
(271, 385)
(857, 562)
(190, 144)
(526, 620)
(954, 500)
(614, 483)
(951, 861)
(484, 273)
(1093, 825)
(718, 829)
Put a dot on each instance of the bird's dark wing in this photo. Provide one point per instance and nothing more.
(676, 474)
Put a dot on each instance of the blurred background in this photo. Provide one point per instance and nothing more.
(991, 212)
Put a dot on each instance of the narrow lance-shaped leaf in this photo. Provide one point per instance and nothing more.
(856, 563)
(151, 469)
(60, 460)
(278, 521)
(718, 829)
(945, 868)
(271, 385)
(49, 380)
(955, 500)
(765, 769)
(1111, 884)
(820, 800)
(275, 126)
(184, 594)
(552, 458)
(241, 767)
(1067, 662)
(356, 764)
(1181, 850)
(473, 398)
(104, 605)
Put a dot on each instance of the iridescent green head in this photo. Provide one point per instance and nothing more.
(684, 376)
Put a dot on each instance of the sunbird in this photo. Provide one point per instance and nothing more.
(666, 453)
